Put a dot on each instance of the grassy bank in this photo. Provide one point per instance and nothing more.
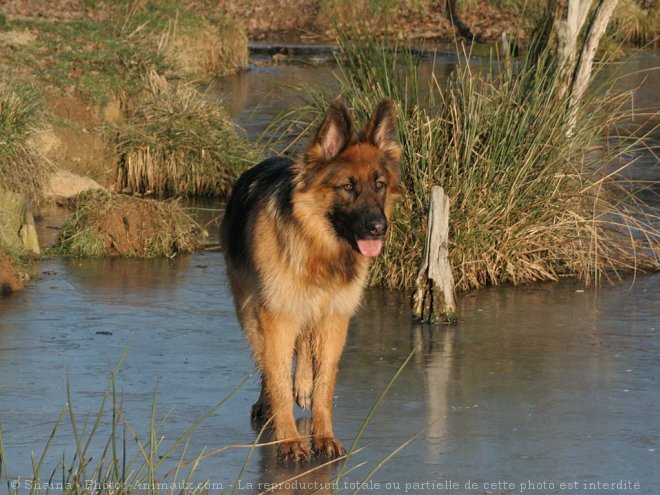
(105, 224)
(104, 54)
(23, 170)
(112, 92)
(98, 67)
(529, 200)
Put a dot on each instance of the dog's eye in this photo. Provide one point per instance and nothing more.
(347, 187)
(380, 184)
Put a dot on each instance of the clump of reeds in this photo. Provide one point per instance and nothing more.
(635, 23)
(106, 224)
(22, 168)
(177, 141)
(530, 199)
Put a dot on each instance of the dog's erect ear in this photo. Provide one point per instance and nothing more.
(381, 129)
(334, 133)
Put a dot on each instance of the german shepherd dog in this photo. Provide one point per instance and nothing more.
(297, 238)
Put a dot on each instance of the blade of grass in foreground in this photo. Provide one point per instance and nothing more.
(389, 456)
(132, 475)
(3, 465)
(196, 424)
(37, 469)
(148, 468)
(374, 408)
(81, 452)
(250, 453)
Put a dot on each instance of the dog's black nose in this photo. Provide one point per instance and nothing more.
(377, 227)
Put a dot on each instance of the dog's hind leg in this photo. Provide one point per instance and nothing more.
(246, 315)
(329, 340)
(279, 340)
(261, 409)
(304, 378)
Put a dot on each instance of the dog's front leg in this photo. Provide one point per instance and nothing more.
(279, 338)
(303, 384)
(330, 337)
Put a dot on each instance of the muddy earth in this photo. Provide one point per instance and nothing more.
(11, 279)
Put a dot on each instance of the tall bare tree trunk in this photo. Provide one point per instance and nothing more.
(596, 30)
(567, 26)
(575, 58)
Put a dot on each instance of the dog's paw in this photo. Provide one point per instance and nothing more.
(302, 390)
(260, 411)
(296, 450)
(328, 446)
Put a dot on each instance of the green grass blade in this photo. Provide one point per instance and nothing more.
(372, 411)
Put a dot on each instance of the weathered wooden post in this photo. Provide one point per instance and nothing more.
(434, 300)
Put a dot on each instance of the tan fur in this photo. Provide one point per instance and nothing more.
(298, 301)
(304, 285)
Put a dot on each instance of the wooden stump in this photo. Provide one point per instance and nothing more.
(434, 300)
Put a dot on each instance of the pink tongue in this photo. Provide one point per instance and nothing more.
(370, 247)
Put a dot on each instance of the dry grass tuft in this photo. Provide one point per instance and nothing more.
(632, 23)
(211, 50)
(22, 168)
(176, 141)
(105, 224)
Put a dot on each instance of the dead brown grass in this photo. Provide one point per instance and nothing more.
(177, 141)
(210, 50)
(23, 169)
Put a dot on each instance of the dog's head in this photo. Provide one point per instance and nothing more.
(356, 176)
